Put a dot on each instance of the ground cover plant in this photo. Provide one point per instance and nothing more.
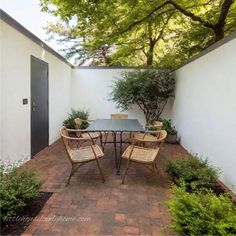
(193, 171)
(202, 213)
(17, 188)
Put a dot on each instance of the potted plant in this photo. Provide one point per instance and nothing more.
(148, 89)
(70, 122)
(171, 131)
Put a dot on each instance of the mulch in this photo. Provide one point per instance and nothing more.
(18, 224)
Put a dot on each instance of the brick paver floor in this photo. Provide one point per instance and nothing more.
(89, 207)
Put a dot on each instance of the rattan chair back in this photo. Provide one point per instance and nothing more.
(119, 116)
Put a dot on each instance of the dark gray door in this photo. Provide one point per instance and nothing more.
(39, 105)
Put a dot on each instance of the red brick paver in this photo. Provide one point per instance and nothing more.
(89, 207)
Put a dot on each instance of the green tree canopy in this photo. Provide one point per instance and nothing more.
(160, 33)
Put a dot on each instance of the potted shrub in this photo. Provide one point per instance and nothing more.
(82, 114)
(171, 131)
(149, 89)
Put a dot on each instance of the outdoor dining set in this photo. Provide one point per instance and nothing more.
(143, 143)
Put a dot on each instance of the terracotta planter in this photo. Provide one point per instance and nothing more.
(171, 138)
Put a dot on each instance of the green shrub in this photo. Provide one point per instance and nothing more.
(69, 123)
(202, 213)
(82, 114)
(17, 188)
(148, 89)
(84, 125)
(168, 127)
(151, 128)
(193, 171)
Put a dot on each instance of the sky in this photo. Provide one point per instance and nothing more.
(28, 14)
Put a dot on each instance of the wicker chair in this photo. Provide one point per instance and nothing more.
(144, 154)
(157, 125)
(115, 116)
(119, 116)
(79, 155)
(147, 135)
(89, 135)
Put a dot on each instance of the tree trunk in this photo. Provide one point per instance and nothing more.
(219, 26)
(150, 58)
(219, 33)
(150, 52)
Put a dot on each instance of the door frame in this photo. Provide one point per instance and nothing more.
(33, 58)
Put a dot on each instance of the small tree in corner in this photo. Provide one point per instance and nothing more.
(149, 89)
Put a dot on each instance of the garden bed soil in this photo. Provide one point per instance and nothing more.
(217, 187)
(224, 189)
(17, 225)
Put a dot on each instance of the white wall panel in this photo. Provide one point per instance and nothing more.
(204, 110)
(16, 50)
(91, 89)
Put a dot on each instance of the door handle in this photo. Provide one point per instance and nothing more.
(33, 106)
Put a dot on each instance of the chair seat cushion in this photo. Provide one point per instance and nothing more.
(92, 135)
(141, 154)
(145, 137)
(84, 154)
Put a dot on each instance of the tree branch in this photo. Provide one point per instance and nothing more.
(191, 15)
(224, 12)
(163, 106)
(177, 7)
(159, 36)
(144, 18)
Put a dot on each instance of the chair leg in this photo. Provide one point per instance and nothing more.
(126, 171)
(103, 146)
(130, 137)
(155, 168)
(120, 140)
(101, 142)
(100, 170)
(71, 173)
(74, 168)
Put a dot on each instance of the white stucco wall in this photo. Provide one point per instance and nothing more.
(16, 50)
(91, 89)
(204, 110)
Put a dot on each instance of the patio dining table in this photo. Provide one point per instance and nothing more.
(116, 126)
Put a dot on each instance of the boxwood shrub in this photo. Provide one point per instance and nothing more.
(193, 171)
(202, 213)
(17, 188)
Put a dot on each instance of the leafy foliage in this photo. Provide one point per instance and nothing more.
(193, 171)
(140, 32)
(84, 124)
(82, 114)
(149, 89)
(17, 188)
(202, 213)
(69, 123)
(168, 127)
